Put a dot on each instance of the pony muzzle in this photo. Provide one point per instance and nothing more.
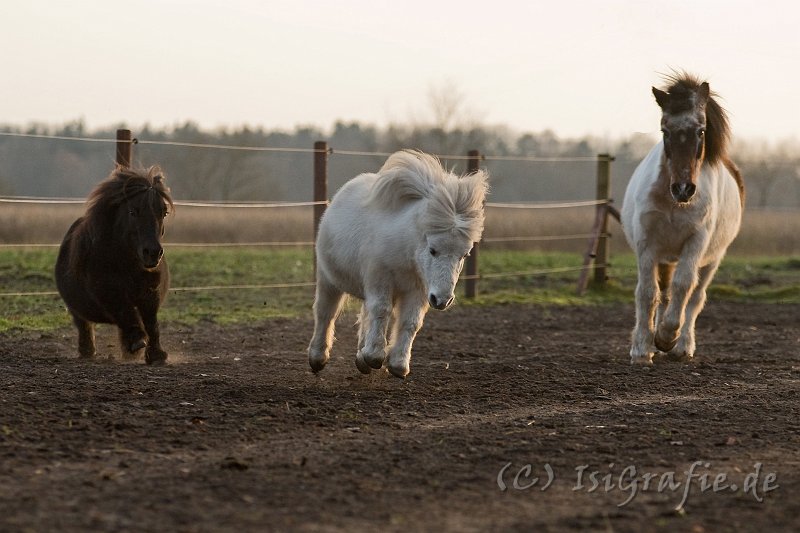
(440, 303)
(151, 257)
(682, 192)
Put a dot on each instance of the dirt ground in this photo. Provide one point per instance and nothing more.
(236, 434)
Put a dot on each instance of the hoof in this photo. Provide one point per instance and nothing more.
(399, 372)
(644, 360)
(137, 345)
(317, 364)
(373, 360)
(87, 355)
(665, 345)
(157, 358)
(361, 365)
(679, 356)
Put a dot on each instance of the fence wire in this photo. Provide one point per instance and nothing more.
(267, 205)
(495, 275)
(329, 151)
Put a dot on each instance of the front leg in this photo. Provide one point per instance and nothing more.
(411, 312)
(132, 334)
(665, 272)
(379, 310)
(646, 299)
(120, 307)
(153, 354)
(684, 281)
(684, 349)
(362, 366)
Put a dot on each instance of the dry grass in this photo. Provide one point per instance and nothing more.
(46, 224)
(763, 232)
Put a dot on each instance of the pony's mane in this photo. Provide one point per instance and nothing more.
(682, 88)
(453, 203)
(122, 185)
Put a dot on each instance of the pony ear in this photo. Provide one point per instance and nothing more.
(703, 92)
(662, 98)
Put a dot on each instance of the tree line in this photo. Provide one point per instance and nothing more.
(54, 168)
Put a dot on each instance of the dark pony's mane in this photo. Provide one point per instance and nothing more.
(124, 185)
(139, 187)
(682, 87)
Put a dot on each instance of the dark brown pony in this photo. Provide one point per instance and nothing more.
(111, 267)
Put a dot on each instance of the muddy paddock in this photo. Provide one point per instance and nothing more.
(514, 418)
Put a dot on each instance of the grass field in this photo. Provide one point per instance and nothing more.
(763, 263)
(762, 233)
(770, 279)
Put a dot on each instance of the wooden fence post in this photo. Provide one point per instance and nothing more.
(320, 182)
(124, 148)
(320, 189)
(471, 266)
(603, 193)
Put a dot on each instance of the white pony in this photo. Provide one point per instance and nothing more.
(682, 208)
(397, 240)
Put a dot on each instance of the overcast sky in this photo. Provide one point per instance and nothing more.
(576, 67)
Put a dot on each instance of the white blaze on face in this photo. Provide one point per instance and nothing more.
(440, 262)
(684, 148)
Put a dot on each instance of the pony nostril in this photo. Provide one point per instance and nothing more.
(683, 192)
(152, 255)
(432, 299)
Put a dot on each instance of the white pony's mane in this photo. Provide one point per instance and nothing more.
(453, 203)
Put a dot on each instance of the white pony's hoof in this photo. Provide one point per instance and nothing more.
(680, 356)
(361, 365)
(665, 344)
(317, 362)
(374, 360)
(399, 371)
(643, 359)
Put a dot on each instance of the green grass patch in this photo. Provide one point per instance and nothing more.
(761, 279)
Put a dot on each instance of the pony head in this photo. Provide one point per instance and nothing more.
(133, 203)
(450, 218)
(695, 131)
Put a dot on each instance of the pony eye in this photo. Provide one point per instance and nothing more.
(433, 252)
(701, 132)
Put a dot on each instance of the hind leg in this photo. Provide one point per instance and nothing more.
(327, 304)
(86, 344)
